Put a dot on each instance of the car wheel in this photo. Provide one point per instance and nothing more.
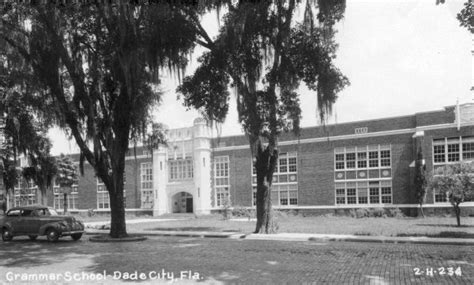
(33, 237)
(52, 235)
(76, 236)
(7, 235)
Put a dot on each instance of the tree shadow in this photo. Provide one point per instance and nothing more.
(187, 229)
(23, 252)
(445, 225)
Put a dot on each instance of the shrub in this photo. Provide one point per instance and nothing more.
(352, 213)
(377, 212)
(239, 211)
(361, 213)
(394, 213)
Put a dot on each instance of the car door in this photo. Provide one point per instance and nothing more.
(13, 219)
(31, 223)
(23, 221)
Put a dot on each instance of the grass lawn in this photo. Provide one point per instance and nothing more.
(430, 226)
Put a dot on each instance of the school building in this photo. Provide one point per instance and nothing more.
(327, 168)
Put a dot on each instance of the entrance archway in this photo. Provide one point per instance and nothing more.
(182, 202)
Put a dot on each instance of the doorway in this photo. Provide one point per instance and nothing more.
(182, 202)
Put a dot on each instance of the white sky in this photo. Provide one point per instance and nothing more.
(401, 57)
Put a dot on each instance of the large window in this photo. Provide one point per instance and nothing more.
(146, 182)
(221, 179)
(72, 198)
(452, 150)
(180, 169)
(25, 193)
(448, 151)
(103, 199)
(363, 175)
(284, 183)
(366, 192)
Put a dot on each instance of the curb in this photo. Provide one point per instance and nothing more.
(304, 238)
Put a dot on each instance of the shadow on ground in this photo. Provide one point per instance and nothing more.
(22, 252)
(445, 234)
(445, 225)
(187, 229)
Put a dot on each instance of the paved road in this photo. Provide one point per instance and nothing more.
(221, 261)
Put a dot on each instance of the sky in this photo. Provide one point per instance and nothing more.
(401, 57)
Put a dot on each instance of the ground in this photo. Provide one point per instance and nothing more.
(221, 261)
(406, 226)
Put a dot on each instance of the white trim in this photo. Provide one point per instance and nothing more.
(354, 206)
(354, 136)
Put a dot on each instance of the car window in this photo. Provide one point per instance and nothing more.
(51, 212)
(38, 212)
(14, 213)
(26, 213)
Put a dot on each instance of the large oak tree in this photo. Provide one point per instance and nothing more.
(99, 65)
(264, 52)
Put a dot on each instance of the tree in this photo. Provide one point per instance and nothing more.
(420, 180)
(457, 182)
(99, 65)
(43, 166)
(466, 16)
(66, 177)
(263, 52)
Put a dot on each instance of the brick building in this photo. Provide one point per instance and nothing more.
(326, 169)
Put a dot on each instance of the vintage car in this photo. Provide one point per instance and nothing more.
(35, 221)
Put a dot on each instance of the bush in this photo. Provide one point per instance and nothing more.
(377, 212)
(242, 212)
(361, 213)
(394, 213)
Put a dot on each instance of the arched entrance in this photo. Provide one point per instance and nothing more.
(182, 202)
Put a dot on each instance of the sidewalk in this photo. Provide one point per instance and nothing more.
(287, 236)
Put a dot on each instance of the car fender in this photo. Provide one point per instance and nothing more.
(8, 226)
(56, 225)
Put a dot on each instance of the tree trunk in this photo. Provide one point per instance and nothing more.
(117, 209)
(265, 165)
(457, 211)
(421, 210)
(65, 203)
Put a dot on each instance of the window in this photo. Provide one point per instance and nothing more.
(452, 150)
(340, 161)
(285, 181)
(221, 179)
(181, 169)
(25, 193)
(386, 191)
(146, 183)
(468, 148)
(350, 160)
(72, 198)
(340, 193)
(362, 157)
(440, 197)
(374, 192)
(103, 199)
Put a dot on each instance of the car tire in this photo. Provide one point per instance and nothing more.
(52, 235)
(76, 236)
(33, 237)
(7, 235)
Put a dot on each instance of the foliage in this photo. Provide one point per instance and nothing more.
(457, 182)
(376, 213)
(99, 66)
(420, 180)
(466, 16)
(67, 173)
(238, 211)
(264, 53)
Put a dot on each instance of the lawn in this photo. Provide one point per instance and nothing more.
(430, 226)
